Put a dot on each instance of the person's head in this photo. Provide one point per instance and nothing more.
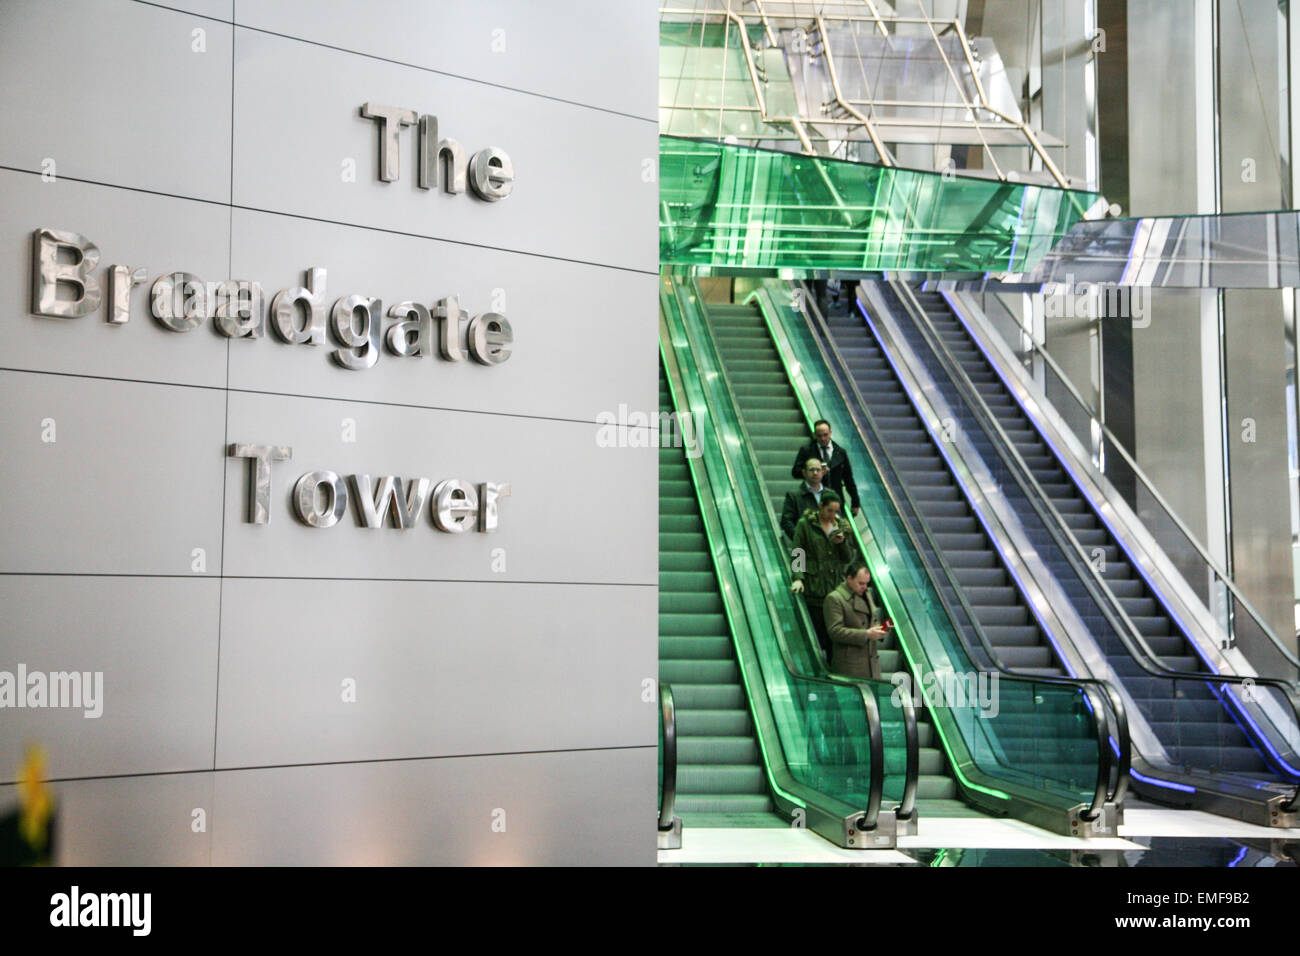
(813, 469)
(822, 432)
(857, 577)
(829, 509)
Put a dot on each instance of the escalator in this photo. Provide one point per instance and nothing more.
(1197, 741)
(763, 737)
(1209, 739)
(720, 778)
(1056, 755)
(776, 429)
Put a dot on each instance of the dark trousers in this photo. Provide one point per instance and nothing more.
(819, 623)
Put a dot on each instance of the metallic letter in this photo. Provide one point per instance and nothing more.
(488, 494)
(403, 510)
(307, 504)
(448, 313)
(121, 280)
(361, 347)
(239, 310)
(413, 334)
(446, 161)
(259, 476)
(183, 290)
(491, 174)
(489, 338)
(454, 505)
(48, 272)
(391, 120)
(284, 309)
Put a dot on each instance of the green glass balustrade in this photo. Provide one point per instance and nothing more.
(737, 207)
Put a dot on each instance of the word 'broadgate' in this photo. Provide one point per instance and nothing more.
(181, 302)
(320, 498)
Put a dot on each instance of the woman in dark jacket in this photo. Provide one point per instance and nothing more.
(823, 545)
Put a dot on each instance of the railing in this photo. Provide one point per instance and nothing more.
(772, 17)
(667, 758)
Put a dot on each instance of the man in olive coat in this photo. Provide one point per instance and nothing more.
(853, 622)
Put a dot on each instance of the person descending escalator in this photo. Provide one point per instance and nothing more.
(855, 622)
(807, 495)
(839, 476)
(823, 545)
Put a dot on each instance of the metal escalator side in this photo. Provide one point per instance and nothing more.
(833, 763)
(1200, 736)
(1046, 755)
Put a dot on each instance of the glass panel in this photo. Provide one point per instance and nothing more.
(734, 206)
(1243, 251)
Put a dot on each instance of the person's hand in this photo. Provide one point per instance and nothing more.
(878, 632)
(796, 587)
(837, 537)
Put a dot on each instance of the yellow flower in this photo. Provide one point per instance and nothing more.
(36, 800)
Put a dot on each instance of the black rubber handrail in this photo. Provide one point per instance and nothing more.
(878, 448)
(668, 795)
(1102, 597)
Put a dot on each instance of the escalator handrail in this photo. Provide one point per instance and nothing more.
(859, 411)
(870, 708)
(1287, 654)
(1105, 600)
(668, 797)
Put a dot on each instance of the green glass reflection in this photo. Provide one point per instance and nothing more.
(734, 206)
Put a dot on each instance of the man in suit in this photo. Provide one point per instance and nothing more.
(807, 495)
(839, 478)
(853, 622)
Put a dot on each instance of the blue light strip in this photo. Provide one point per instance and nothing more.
(1185, 788)
(1239, 856)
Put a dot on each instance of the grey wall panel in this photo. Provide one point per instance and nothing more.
(591, 808)
(1169, 424)
(591, 328)
(578, 512)
(134, 104)
(578, 171)
(591, 52)
(131, 484)
(158, 233)
(1255, 363)
(1162, 119)
(154, 640)
(439, 669)
(132, 821)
